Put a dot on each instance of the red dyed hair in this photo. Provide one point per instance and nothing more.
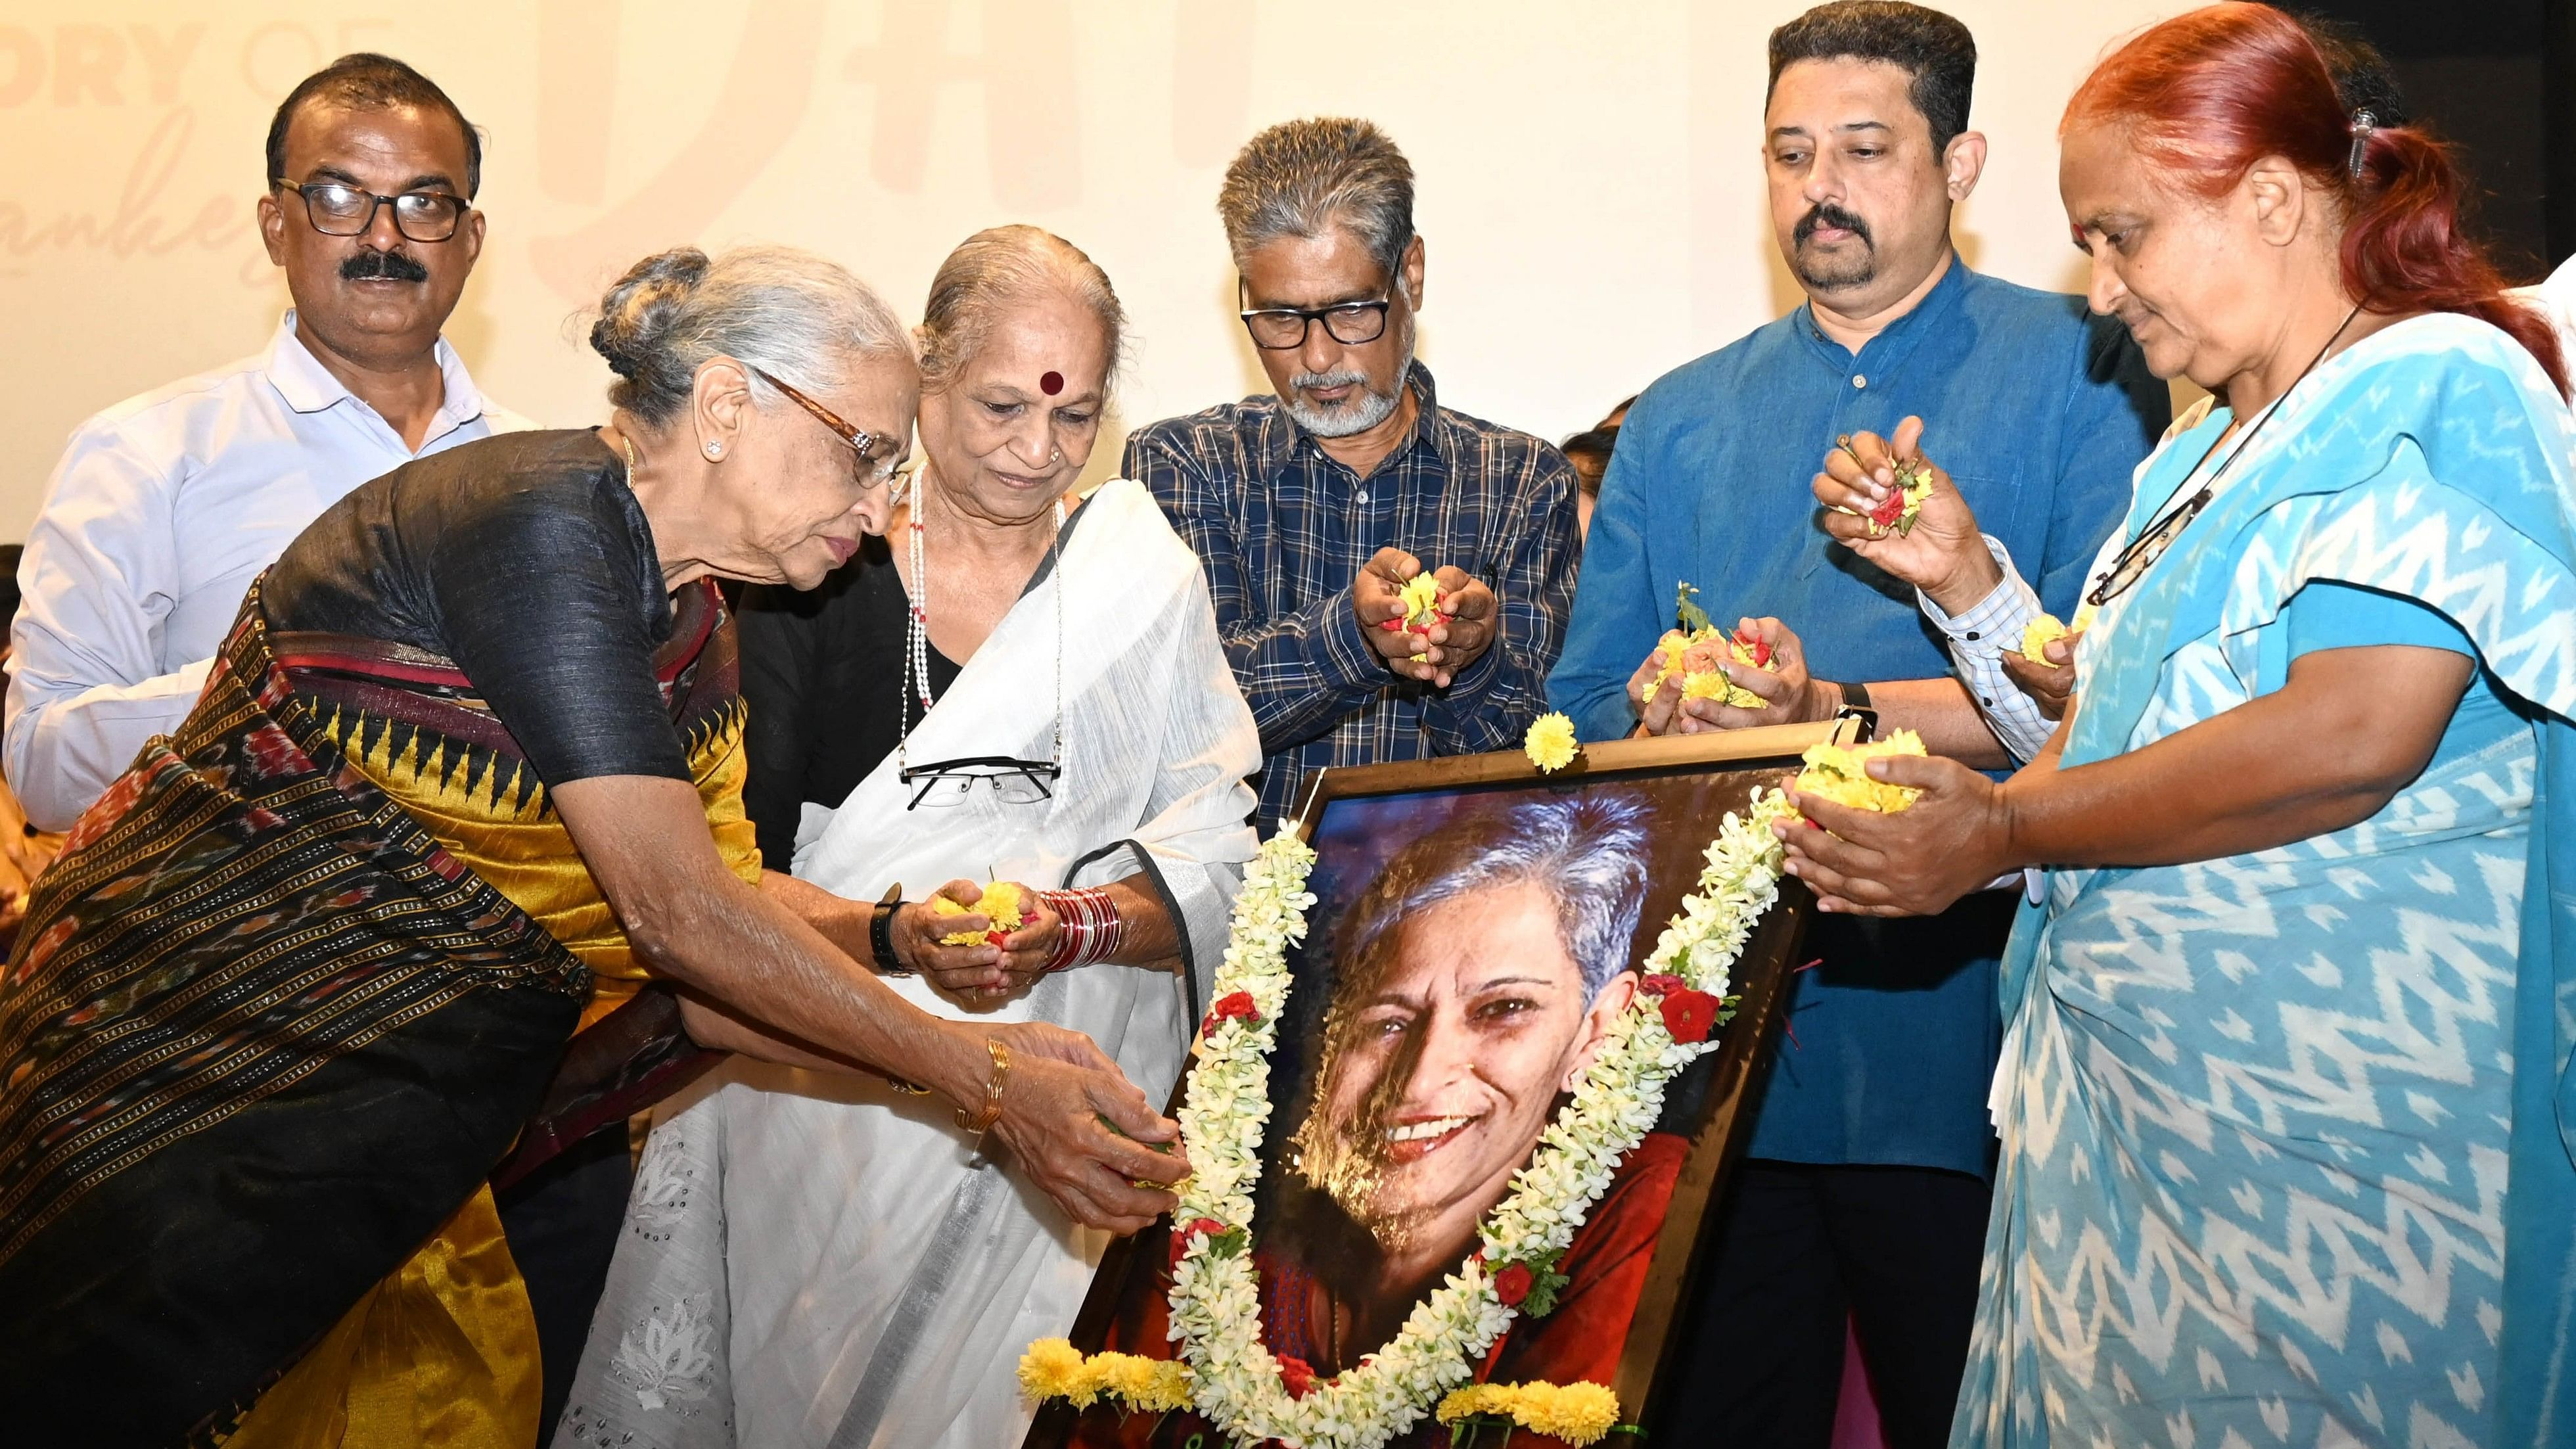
(2207, 94)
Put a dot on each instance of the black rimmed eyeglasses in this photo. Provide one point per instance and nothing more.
(1014, 782)
(1277, 329)
(2133, 561)
(880, 454)
(336, 209)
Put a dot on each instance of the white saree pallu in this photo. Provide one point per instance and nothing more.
(820, 1260)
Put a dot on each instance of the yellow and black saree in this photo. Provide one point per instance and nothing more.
(312, 972)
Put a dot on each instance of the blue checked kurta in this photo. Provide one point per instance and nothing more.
(1283, 529)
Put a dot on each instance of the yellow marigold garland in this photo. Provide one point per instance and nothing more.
(1578, 1413)
(1054, 1369)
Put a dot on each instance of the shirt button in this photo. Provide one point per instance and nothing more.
(1972, 633)
(1859, 381)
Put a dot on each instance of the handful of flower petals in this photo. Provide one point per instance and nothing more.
(1840, 774)
(1421, 598)
(1000, 904)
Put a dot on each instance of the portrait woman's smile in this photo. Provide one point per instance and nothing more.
(1453, 1067)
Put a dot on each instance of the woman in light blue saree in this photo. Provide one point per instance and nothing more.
(2288, 1131)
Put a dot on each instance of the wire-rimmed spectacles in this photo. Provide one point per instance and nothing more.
(1278, 329)
(1015, 782)
(880, 454)
(336, 209)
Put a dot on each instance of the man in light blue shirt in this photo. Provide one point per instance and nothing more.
(166, 506)
(1864, 1194)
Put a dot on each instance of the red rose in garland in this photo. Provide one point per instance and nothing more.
(1190, 1232)
(1689, 1015)
(1296, 1376)
(1512, 1284)
(1233, 1006)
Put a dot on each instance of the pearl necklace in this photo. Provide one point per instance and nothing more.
(916, 664)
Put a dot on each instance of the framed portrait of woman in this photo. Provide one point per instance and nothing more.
(1476, 926)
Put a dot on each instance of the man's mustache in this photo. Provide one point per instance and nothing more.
(1825, 213)
(1339, 377)
(369, 264)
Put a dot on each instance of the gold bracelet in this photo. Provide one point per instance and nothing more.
(981, 1122)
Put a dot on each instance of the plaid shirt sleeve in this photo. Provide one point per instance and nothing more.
(1979, 637)
(1301, 672)
(1490, 704)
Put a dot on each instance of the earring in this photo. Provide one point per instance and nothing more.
(715, 450)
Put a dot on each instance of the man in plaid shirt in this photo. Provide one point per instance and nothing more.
(1312, 507)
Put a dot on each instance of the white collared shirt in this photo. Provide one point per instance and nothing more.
(162, 511)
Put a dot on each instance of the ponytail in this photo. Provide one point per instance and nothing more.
(2208, 93)
(2403, 250)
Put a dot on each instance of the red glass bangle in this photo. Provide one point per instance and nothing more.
(1088, 927)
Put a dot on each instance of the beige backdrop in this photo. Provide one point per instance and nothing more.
(1588, 181)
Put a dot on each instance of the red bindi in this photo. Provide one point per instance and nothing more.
(1051, 384)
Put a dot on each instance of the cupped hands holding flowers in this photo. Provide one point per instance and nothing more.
(1955, 838)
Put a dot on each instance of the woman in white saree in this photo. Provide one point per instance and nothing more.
(819, 1258)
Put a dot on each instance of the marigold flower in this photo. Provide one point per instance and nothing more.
(1841, 775)
(1476, 1400)
(1129, 1376)
(1000, 905)
(2036, 635)
(1421, 596)
(1578, 1413)
(1708, 684)
(1051, 1369)
(1169, 1390)
(1550, 744)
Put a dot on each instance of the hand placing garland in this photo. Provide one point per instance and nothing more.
(1233, 1378)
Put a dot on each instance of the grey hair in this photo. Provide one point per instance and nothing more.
(1300, 177)
(1000, 266)
(1589, 852)
(791, 313)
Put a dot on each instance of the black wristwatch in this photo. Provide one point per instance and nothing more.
(1856, 702)
(881, 931)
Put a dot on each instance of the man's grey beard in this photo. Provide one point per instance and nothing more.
(1364, 411)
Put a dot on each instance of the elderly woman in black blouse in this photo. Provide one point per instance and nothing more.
(465, 787)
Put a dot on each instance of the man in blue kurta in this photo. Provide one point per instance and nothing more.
(1865, 1191)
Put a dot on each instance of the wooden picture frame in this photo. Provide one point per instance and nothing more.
(1715, 1098)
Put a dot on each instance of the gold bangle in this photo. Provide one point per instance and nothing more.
(981, 1122)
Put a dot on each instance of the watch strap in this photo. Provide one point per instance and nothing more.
(1856, 703)
(881, 931)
